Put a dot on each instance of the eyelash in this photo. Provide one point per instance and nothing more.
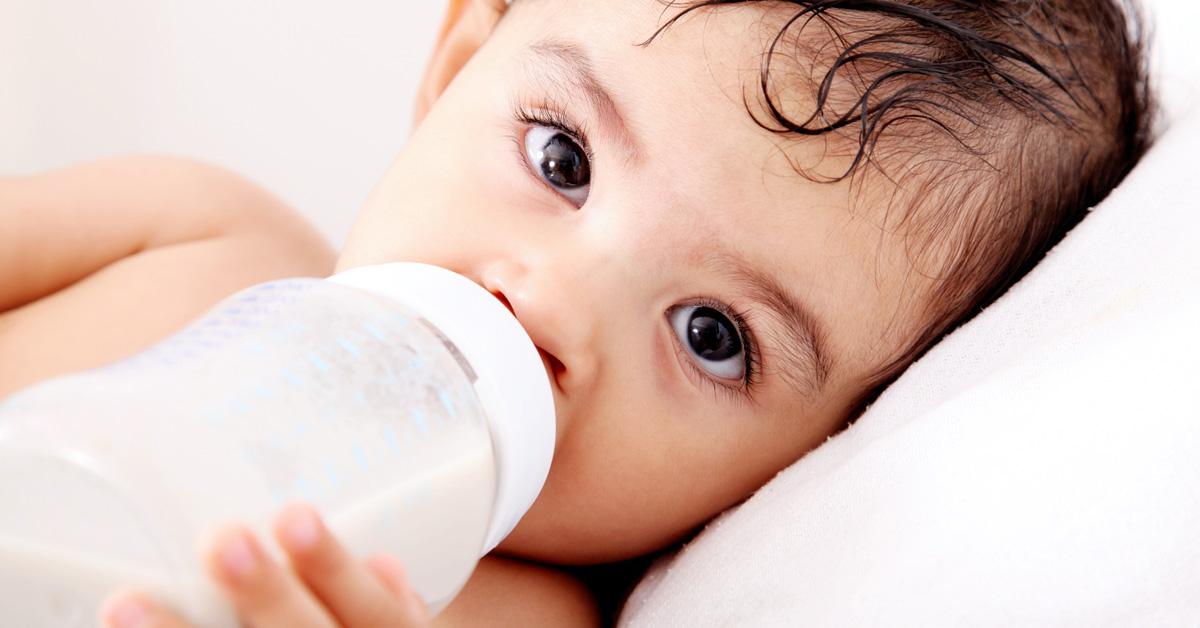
(551, 113)
(739, 392)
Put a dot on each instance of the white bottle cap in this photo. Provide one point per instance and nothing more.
(512, 385)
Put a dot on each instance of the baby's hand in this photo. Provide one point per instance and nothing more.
(324, 587)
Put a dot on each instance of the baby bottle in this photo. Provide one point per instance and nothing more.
(403, 400)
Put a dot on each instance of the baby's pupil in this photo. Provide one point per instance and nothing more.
(564, 164)
(712, 336)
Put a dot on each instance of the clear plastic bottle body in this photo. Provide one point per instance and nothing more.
(292, 390)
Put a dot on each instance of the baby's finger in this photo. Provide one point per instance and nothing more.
(347, 588)
(265, 594)
(391, 573)
(131, 609)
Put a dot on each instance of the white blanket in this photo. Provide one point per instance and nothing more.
(1040, 466)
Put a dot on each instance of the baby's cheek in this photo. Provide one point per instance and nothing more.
(603, 501)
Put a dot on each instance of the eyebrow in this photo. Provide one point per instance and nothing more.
(803, 348)
(567, 63)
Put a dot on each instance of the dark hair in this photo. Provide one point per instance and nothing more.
(1043, 103)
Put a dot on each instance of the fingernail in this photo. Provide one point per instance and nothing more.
(238, 556)
(129, 612)
(301, 528)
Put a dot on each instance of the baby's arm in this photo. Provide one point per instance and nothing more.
(100, 260)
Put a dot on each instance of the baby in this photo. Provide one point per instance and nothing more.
(726, 225)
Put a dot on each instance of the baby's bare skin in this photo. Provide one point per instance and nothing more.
(102, 260)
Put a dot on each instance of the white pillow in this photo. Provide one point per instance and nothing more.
(1040, 466)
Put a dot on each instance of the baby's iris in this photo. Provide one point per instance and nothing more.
(712, 339)
(560, 160)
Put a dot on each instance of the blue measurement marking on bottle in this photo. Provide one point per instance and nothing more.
(304, 489)
(316, 361)
(237, 407)
(360, 397)
(350, 347)
(331, 473)
(360, 455)
(374, 331)
(447, 403)
(392, 439)
(264, 392)
(400, 319)
(292, 378)
(422, 424)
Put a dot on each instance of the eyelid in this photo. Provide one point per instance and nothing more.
(741, 391)
(553, 118)
(554, 114)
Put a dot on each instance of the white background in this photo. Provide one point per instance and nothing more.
(309, 98)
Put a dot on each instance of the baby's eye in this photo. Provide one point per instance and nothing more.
(713, 340)
(560, 160)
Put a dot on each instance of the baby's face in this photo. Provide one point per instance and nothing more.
(707, 316)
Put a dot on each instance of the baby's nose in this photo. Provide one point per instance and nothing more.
(558, 326)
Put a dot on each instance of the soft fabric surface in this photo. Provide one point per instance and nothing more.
(1040, 466)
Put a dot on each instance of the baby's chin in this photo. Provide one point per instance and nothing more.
(582, 538)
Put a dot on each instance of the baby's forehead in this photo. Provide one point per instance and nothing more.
(703, 67)
(707, 61)
(742, 30)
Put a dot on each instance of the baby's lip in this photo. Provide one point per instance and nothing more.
(548, 364)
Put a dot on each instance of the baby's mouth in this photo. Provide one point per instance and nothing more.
(552, 366)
